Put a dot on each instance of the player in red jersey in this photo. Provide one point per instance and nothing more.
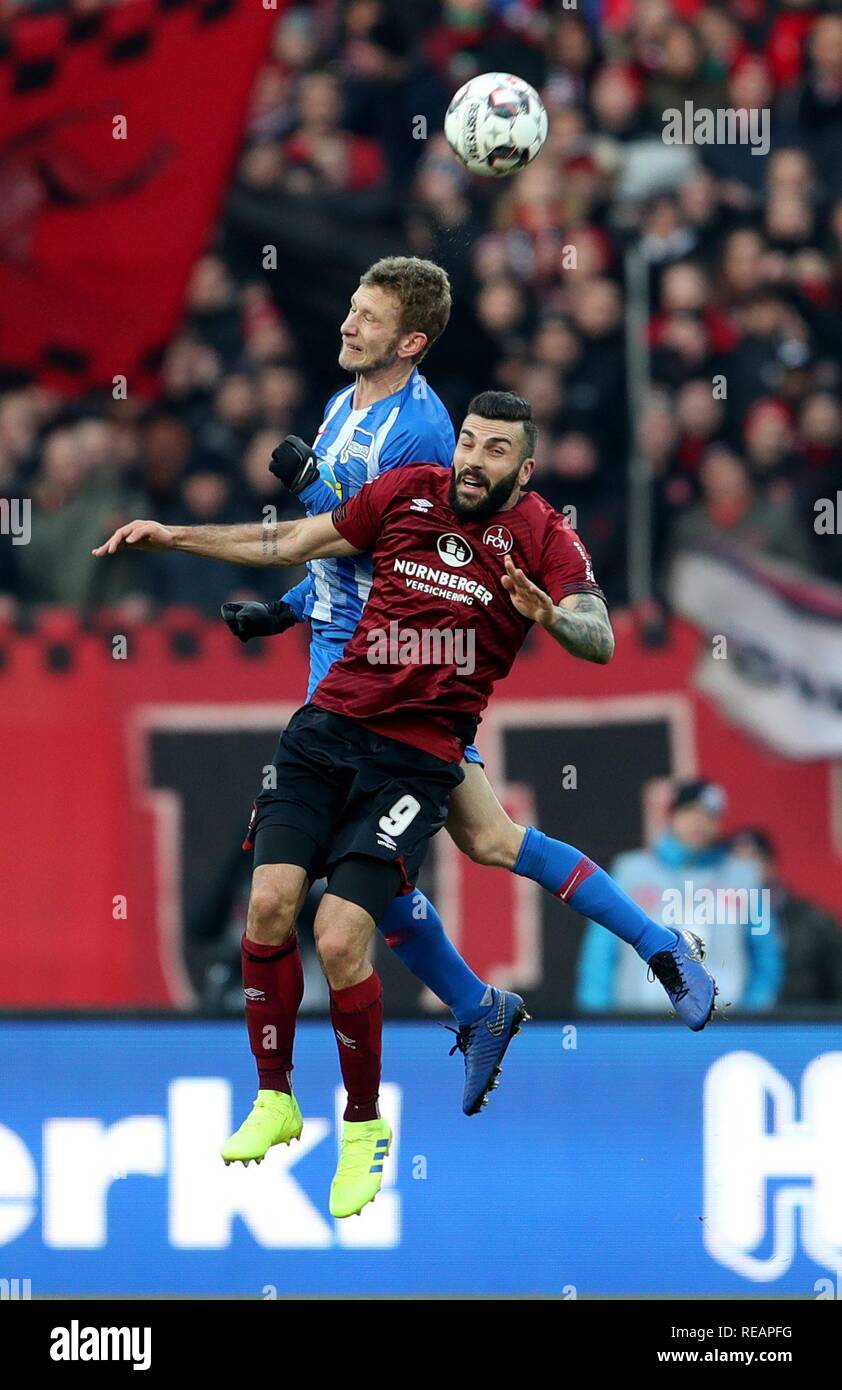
(365, 771)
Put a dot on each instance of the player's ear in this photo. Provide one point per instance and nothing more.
(527, 468)
(412, 344)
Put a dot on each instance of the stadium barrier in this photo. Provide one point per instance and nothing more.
(111, 1182)
(128, 783)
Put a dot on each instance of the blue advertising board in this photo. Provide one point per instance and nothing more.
(614, 1159)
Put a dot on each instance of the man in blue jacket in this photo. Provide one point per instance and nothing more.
(688, 879)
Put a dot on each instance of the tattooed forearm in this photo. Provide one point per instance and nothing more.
(251, 544)
(582, 626)
(258, 543)
(269, 538)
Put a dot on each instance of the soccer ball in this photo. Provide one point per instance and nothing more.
(496, 124)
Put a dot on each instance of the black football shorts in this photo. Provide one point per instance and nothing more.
(342, 791)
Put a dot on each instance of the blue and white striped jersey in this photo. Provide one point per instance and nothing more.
(354, 446)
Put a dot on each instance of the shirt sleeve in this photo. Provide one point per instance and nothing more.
(359, 520)
(323, 493)
(428, 442)
(297, 597)
(318, 497)
(566, 566)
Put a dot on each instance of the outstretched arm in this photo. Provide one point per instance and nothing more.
(580, 622)
(277, 543)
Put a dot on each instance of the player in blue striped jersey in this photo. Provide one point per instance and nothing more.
(355, 444)
(387, 418)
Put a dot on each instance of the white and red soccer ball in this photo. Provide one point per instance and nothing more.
(496, 124)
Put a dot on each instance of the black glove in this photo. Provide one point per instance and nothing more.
(295, 463)
(247, 620)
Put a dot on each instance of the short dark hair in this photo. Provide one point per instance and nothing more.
(760, 839)
(505, 405)
(421, 288)
(698, 791)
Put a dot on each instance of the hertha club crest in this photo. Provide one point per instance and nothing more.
(499, 539)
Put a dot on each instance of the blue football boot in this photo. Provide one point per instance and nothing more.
(691, 989)
(484, 1046)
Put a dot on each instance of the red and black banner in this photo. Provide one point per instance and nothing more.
(122, 881)
(118, 132)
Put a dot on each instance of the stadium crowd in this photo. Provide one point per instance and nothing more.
(744, 254)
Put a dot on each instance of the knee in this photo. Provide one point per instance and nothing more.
(496, 845)
(271, 915)
(340, 957)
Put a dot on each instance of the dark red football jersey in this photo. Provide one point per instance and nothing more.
(439, 628)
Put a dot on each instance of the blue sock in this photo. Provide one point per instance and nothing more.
(568, 874)
(415, 932)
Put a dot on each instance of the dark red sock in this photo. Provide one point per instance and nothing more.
(357, 1017)
(273, 983)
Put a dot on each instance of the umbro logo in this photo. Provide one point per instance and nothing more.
(420, 504)
(349, 1042)
(385, 840)
(254, 994)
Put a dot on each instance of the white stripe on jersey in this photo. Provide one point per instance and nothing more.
(373, 468)
(362, 579)
(340, 399)
(323, 605)
(362, 572)
(351, 445)
(345, 433)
